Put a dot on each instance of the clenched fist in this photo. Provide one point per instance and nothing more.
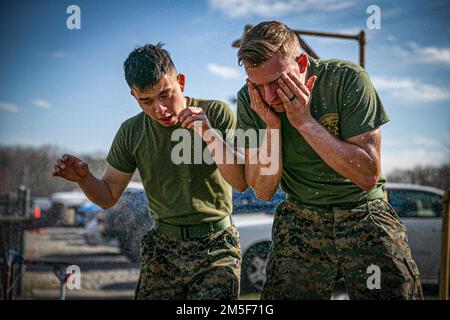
(70, 168)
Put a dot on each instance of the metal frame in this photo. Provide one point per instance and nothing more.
(360, 37)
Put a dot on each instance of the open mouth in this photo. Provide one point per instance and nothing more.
(166, 119)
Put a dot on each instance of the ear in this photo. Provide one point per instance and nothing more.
(133, 93)
(181, 78)
(302, 61)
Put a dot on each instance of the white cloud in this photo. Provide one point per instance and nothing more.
(41, 103)
(410, 158)
(8, 107)
(391, 38)
(422, 54)
(406, 153)
(434, 55)
(272, 8)
(223, 71)
(414, 141)
(411, 90)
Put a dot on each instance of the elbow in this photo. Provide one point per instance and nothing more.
(108, 205)
(369, 183)
(264, 195)
(241, 186)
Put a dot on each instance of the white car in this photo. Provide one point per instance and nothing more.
(419, 207)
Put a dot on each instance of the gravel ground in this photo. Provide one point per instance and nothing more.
(105, 273)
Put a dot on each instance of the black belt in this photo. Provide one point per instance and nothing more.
(193, 232)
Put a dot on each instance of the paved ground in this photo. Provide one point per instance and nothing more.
(105, 273)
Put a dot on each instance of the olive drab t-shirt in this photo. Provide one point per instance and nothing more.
(187, 193)
(344, 102)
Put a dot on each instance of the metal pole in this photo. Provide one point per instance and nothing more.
(62, 289)
(326, 34)
(362, 49)
(445, 249)
(361, 38)
(20, 287)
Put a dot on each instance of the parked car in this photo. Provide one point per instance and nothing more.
(64, 206)
(419, 207)
(86, 212)
(128, 220)
(254, 219)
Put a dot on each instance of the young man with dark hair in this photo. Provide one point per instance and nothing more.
(334, 222)
(193, 252)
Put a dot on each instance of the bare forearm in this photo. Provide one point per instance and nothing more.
(97, 191)
(347, 159)
(264, 176)
(230, 163)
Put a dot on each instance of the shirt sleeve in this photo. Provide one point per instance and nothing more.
(222, 118)
(361, 107)
(120, 156)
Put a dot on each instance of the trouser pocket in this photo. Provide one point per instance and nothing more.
(414, 290)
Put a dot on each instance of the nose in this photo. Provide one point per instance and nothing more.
(270, 94)
(161, 109)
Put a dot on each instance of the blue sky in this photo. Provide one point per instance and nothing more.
(66, 87)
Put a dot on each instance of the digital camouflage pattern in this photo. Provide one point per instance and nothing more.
(315, 246)
(203, 268)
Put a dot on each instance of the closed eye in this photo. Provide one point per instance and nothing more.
(260, 87)
(166, 96)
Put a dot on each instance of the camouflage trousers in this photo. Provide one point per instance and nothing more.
(203, 268)
(313, 247)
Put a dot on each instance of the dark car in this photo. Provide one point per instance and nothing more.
(128, 220)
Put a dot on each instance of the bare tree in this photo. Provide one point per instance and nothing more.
(433, 176)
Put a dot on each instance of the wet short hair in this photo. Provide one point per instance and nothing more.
(146, 65)
(262, 41)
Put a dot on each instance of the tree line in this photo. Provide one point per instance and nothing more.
(33, 167)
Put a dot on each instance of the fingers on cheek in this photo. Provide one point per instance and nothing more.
(281, 94)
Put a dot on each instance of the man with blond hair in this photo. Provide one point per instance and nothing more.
(325, 117)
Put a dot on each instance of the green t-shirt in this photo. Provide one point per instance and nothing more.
(345, 102)
(179, 194)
